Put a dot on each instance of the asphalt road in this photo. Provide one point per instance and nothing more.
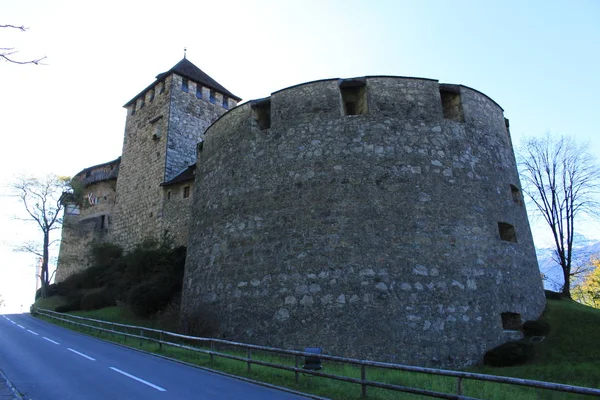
(47, 362)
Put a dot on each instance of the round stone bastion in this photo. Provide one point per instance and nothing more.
(378, 217)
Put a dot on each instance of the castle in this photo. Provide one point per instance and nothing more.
(378, 217)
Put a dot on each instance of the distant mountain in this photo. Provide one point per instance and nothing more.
(583, 250)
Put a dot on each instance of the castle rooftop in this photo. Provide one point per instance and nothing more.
(188, 70)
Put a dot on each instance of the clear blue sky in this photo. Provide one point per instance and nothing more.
(539, 60)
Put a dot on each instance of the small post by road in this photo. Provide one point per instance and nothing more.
(459, 386)
(212, 349)
(296, 362)
(363, 377)
(160, 340)
(249, 361)
(142, 335)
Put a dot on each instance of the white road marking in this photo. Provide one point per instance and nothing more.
(21, 326)
(139, 379)
(14, 323)
(35, 333)
(50, 340)
(81, 354)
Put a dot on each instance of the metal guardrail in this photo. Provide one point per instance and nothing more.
(161, 335)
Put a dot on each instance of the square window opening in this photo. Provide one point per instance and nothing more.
(186, 192)
(185, 85)
(169, 195)
(507, 232)
(516, 195)
(212, 97)
(354, 100)
(511, 321)
(225, 102)
(262, 114)
(452, 105)
(198, 91)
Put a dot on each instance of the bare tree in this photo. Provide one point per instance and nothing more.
(42, 201)
(7, 53)
(561, 179)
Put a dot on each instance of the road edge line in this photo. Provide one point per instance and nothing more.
(12, 388)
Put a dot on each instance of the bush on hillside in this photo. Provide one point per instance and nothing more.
(96, 299)
(550, 295)
(199, 322)
(536, 328)
(509, 354)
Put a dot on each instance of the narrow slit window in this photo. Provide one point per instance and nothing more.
(516, 195)
(143, 102)
(354, 97)
(162, 87)
(151, 96)
(198, 91)
(169, 195)
(212, 97)
(133, 109)
(511, 321)
(102, 221)
(186, 192)
(185, 85)
(225, 102)
(452, 105)
(262, 113)
(507, 232)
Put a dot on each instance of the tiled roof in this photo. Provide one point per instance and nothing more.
(188, 70)
(186, 175)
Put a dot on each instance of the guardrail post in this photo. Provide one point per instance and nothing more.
(248, 362)
(212, 349)
(160, 340)
(141, 334)
(459, 386)
(296, 371)
(363, 377)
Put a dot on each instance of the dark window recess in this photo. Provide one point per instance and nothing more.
(511, 321)
(102, 221)
(184, 85)
(133, 109)
(354, 96)
(211, 97)
(262, 113)
(507, 232)
(169, 195)
(198, 91)
(186, 192)
(200, 147)
(88, 173)
(162, 87)
(143, 103)
(225, 102)
(151, 96)
(516, 195)
(452, 104)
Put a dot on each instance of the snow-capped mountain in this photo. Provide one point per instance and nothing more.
(583, 250)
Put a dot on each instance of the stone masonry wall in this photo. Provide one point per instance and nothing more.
(375, 236)
(188, 119)
(176, 212)
(79, 232)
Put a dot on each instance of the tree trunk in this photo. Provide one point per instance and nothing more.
(566, 290)
(44, 269)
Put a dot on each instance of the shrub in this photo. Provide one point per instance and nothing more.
(536, 328)
(199, 322)
(550, 295)
(96, 299)
(509, 354)
(150, 296)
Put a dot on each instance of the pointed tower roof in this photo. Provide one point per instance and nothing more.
(188, 70)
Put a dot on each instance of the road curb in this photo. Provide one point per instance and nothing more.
(5, 382)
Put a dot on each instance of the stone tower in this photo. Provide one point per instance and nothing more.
(165, 122)
(376, 217)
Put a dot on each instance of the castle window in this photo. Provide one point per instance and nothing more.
(354, 96)
(162, 87)
(198, 91)
(184, 85)
(225, 102)
(211, 97)
(516, 195)
(151, 96)
(143, 102)
(169, 195)
(451, 103)
(511, 321)
(262, 113)
(186, 192)
(133, 109)
(507, 232)
(102, 221)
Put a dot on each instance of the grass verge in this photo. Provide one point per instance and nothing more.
(568, 355)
